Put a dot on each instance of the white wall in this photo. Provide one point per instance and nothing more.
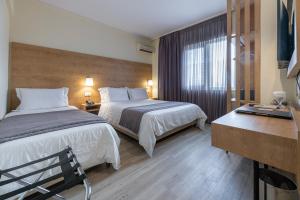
(38, 23)
(4, 55)
(271, 77)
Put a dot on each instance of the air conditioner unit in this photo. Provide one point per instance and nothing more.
(145, 48)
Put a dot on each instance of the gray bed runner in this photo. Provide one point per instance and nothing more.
(131, 117)
(21, 126)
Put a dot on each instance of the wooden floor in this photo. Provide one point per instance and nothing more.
(184, 167)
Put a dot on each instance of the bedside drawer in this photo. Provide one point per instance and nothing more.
(94, 109)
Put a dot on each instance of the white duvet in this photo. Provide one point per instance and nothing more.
(154, 123)
(92, 144)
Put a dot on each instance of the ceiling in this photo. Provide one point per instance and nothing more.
(149, 18)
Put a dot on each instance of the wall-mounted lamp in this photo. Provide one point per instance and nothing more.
(89, 82)
(87, 94)
(149, 83)
(149, 88)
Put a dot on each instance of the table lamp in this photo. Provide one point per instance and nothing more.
(89, 82)
(149, 87)
(150, 83)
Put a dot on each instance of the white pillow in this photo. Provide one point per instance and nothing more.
(137, 94)
(32, 99)
(109, 94)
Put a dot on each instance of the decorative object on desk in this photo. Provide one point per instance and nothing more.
(279, 98)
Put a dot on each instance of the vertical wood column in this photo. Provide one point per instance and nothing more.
(238, 52)
(257, 54)
(247, 51)
(246, 30)
(229, 38)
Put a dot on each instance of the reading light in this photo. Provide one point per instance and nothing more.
(89, 82)
(150, 83)
(87, 94)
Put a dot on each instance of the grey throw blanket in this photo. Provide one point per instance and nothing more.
(21, 126)
(131, 117)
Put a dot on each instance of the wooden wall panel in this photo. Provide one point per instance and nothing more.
(229, 39)
(238, 53)
(40, 67)
(257, 51)
(247, 50)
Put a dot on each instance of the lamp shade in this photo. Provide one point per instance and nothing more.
(89, 82)
(87, 94)
(150, 83)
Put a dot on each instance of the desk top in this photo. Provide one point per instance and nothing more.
(268, 140)
(261, 124)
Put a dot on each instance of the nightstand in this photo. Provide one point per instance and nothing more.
(94, 109)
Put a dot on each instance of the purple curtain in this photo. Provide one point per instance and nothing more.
(169, 70)
(192, 66)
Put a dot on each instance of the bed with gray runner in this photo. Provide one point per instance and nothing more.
(22, 126)
(131, 117)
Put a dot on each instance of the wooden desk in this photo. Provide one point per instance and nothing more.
(266, 140)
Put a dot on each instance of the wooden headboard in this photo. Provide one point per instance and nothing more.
(40, 67)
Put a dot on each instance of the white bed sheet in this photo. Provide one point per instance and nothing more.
(24, 112)
(154, 123)
(92, 144)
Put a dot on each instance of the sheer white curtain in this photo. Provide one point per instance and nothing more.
(204, 65)
(204, 77)
(192, 66)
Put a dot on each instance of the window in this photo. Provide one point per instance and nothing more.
(204, 65)
(194, 73)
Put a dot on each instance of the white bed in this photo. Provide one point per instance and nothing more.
(92, 144)
(154, 124)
